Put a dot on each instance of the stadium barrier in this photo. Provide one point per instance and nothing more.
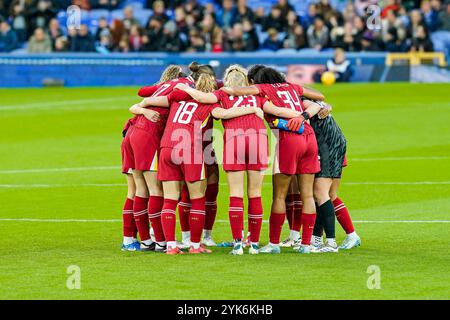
(90, 69)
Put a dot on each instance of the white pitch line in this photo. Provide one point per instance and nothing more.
(76, 185)
(44, 170)
(220, 221)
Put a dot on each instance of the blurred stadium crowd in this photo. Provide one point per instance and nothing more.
(39, 26)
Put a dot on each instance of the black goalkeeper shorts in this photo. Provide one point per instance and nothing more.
(331, 159)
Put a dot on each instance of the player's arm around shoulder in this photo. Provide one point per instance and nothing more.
(312, 94)
(319, 107)
(200, 96)
(221, 113)
(241, 91)
(287, 113)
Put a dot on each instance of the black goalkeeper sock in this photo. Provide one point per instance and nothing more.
(327, 218)
(318, 226)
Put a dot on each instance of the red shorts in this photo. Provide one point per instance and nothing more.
(345, 161)
(246, 152)
(140, 149)
(174, 167)
(297, 154)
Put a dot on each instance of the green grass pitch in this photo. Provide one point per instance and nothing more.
(397, 187)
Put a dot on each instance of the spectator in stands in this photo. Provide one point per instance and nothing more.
(285, 7)
(192, 7)
(180, 20)
(260, 15)
(104, 4)
(207, 26)
(243, 12)
(295, 38)
(292, 20)
(217, 41)
(444, 18)
(18, 20)
(324, 9)
(349, 12)
(54, 31)
(393, 33)
(250, 37)
(104, 43)
(235, 38)
(358, 32)
(274, 20)
(368, 42)
(8, 37)
(318, 34)
(196, 42)
(430, 15)
(335, 24)
(123, 44)
(191, 23)
(102, 26)
(159, 11)
(135, 38)
(154, 34)
(39, 14)
(421, 41)
(349, 38)
(61, 44)
(272, 42)
(226, 15)
(83, 41)
(128, 18)
(117, 32)
(308, 19)
(339, 66)
(39, 42)
(171, 41)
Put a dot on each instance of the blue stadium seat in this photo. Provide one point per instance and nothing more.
(143, 15)
(117, 14)
(136, 4)
(99, 13)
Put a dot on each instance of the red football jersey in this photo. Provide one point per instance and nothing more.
(284, 95)
(186, 120)
(250, 121)
(162, 89)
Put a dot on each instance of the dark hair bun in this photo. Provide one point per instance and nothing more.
(194, 66)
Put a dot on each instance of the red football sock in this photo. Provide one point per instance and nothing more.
(343, 216)
(140, 213)
(298, 205)
(211, 205)
(155, 205)
(236, 216)
(275, 225)
(290, 209)
(184, 207)
(308, 221)
(255, 216)
(127, 218)
(169, 219)
(197, 219)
